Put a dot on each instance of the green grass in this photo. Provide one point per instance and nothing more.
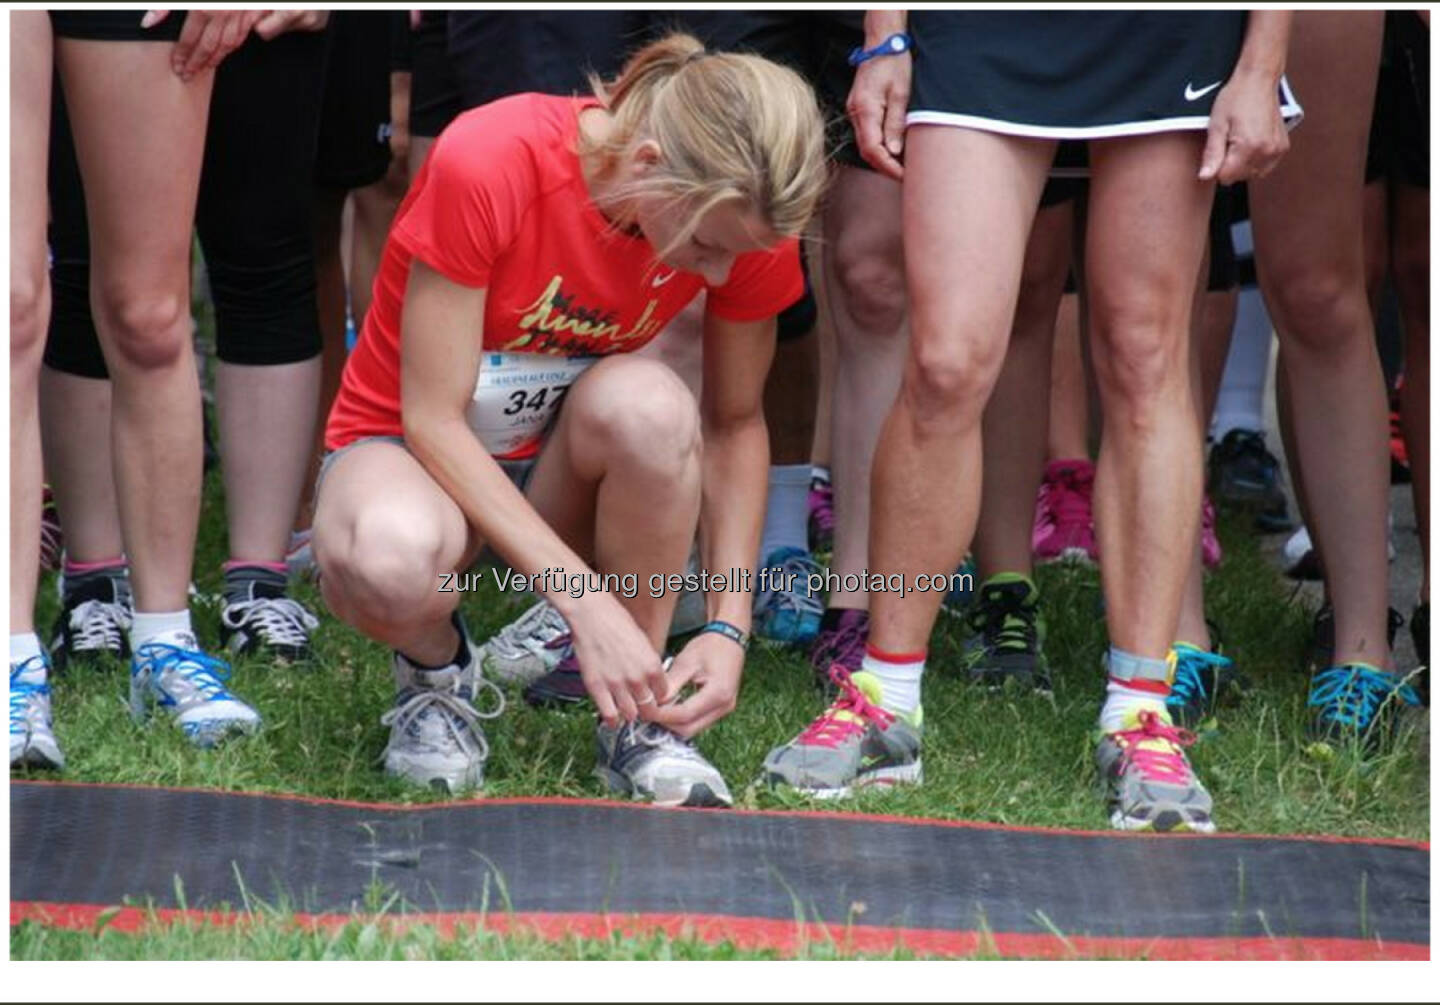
(1007, 758)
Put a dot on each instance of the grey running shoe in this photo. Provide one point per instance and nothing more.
(854, 743)
(1007, 635)
(526, 649)
(646, 761)
(1150, 785)
(32, 739)
(436, 740)
(189, 685)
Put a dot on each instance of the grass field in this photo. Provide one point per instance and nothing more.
(1008, 758)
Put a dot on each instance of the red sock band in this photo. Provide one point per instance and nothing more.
(1141, 684)
(884, 657)
(234, 564)
(81, 568)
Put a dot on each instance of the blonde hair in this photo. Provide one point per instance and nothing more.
(730, 126)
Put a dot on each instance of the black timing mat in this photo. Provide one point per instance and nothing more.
(759, 878)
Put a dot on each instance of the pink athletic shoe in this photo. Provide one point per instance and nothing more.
(1064, 525)
(1210, 552)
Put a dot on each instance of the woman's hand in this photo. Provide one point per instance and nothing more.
(1247, 135)
(278, 22)
(877, 104)
(618, 663)
(207, 37)
(714, 664)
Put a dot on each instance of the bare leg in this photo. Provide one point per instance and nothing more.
(1068, 434)
(139, 148)
(863, 276)
(969, 200)
(1016, 418)
(330, 302)
(1314, 283)
(30, 68)
(75, 412)
(619, 480)
(267, 424)
(1143, 253)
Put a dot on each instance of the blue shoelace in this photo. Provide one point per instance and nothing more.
(1351, 695)
(201, 669)
(22, 691)
(1189, 683)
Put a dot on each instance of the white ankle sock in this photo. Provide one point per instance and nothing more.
(170, 628)
(786, 510)
(24, 646)
(1240, 403)
(899, 677)
(1132, 683)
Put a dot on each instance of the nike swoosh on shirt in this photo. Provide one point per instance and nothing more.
(662, 280)
(1193, 95)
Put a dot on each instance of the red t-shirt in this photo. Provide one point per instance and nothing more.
(501, 204)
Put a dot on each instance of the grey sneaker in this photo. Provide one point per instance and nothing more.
(1150, 785)
(436, 740)
(527, 648)
(853, 744)
(647, 761)
(189, 684)
(32, 740)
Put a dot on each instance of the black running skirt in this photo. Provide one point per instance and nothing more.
(1084, 75)
(115, 25)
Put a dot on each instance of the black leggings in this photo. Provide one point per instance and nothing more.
(253, 213)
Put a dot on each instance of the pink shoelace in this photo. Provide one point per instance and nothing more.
(849, 714)
(1068, 498)
(1167, 765)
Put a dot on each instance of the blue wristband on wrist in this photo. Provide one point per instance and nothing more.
(725, 628)
(892, 46)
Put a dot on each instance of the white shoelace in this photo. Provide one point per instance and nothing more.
(97, 625)
(278, 620)
(531, 631)
(462, 716)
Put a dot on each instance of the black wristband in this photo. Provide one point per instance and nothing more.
(725, 628)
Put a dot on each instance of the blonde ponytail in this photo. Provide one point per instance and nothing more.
(730, 126)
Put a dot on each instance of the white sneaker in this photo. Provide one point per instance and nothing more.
(436, 740)
(32, 739)
(527, 648)
(646, 761)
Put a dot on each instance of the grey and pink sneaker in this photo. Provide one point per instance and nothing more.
(1064, 521)
(843, 643)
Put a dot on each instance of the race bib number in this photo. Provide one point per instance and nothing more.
(516, 396)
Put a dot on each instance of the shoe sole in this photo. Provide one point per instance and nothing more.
(903, 774)
(36, 759)
(449, 783)
(1164, 822)
(700, 795)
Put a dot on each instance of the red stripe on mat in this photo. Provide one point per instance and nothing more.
(764, 933)
(859, 817)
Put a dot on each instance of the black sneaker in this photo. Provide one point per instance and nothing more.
(1357, 703)
(94, 620)
(1322, 636)
(1203, 680)
(1246, 475)
(259, 618)
(1007, 634)
(1420, 635)
(561, 687)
